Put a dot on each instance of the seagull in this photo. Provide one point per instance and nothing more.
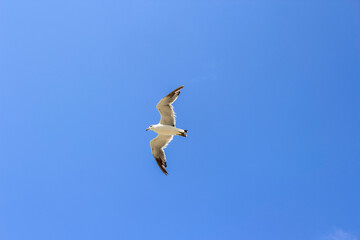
(165, 129)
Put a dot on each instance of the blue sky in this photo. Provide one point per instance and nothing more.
(271, 102)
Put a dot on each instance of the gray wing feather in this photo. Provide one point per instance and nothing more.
(157, 148)
(166, 109)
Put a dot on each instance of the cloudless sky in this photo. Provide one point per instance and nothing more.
(271, 101)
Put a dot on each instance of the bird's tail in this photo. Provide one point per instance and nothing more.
(183, 133)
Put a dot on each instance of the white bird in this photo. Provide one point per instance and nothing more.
(165, 129)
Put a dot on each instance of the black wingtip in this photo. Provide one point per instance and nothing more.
(164, 171)
(176, 91)
(161, 166)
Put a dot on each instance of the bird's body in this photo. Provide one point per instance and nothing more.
(165, 129)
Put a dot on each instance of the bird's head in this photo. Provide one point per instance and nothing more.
(150, 128)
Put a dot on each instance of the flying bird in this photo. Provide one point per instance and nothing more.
(165, 129)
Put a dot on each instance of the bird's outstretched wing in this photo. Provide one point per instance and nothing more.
(166, 109)
(157, 148)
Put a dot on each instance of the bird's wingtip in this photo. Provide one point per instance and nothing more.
(164, 171)
(179, 88)
(161, 166)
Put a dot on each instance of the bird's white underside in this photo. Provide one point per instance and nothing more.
(166, 129)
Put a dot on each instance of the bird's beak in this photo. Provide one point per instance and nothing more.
(147, 129)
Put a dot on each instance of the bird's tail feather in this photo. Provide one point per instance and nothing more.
(183, 133)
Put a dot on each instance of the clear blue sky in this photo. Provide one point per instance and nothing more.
(271, 102)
